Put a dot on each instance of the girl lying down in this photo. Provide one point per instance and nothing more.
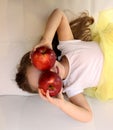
(85, 63)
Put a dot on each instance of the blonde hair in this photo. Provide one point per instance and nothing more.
(81, 27)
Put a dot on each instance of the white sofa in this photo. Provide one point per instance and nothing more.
(21, 25)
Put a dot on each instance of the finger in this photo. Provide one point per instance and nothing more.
(47, 94)
(42, 95)
(41, 92)
(61, 91)
(30, 55)
(60, 95)
(35, 47)
(50, 99)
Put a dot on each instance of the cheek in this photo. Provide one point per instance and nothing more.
(33, 78)
(34, 83)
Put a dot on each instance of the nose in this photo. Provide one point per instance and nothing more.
(53, 69)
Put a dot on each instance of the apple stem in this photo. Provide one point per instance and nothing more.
(51, 87)
(44, 51)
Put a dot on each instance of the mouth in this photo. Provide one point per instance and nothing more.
(57, 70)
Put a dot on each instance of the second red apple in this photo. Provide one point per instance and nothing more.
(50, 81)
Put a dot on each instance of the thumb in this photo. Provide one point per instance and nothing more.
(60, 94)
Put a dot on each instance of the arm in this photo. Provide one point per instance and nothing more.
(79, 108)
(57, 21)
(76, 108)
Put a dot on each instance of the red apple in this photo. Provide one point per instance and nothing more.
(43, 58)
(50, 81)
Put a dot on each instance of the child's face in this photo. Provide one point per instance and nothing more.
(33, 74)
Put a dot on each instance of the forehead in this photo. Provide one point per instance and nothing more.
(33, 77)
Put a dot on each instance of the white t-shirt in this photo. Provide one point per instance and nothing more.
(85, 65)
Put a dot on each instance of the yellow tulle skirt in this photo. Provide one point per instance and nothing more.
(102, 32)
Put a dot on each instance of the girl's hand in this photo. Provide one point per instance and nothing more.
(43, 42)
(58, 101)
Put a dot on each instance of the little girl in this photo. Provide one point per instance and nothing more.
(80, 65)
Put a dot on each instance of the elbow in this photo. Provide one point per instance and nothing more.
(58, 11)
(85, 117)
(88, 118)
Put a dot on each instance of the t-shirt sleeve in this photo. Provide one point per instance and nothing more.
(73, 90)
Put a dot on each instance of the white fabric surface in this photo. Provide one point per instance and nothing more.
(32, 113)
